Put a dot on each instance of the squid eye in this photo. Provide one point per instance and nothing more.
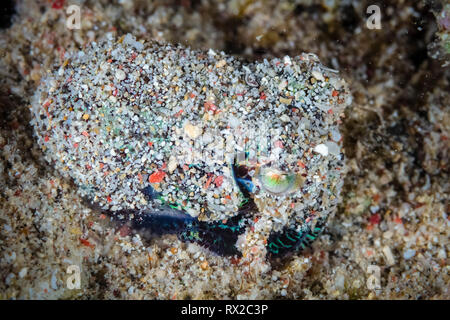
(279, 182)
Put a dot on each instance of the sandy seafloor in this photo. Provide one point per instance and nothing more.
(394, 207)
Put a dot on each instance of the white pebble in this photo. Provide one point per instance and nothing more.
(389, 256)
(120, 75)
(322, 149)
(23, 272)
(340, 282)
(9, 278)
(172, 164)
(316, 74)
(287, 60)
(333, 148)
(192, 131)
(408, 254)
(442, 254)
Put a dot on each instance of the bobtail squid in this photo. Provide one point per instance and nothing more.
(199, 144)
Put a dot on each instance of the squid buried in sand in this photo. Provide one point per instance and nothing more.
(198, 144)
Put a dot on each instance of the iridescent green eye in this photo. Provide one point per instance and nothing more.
(278, 182)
